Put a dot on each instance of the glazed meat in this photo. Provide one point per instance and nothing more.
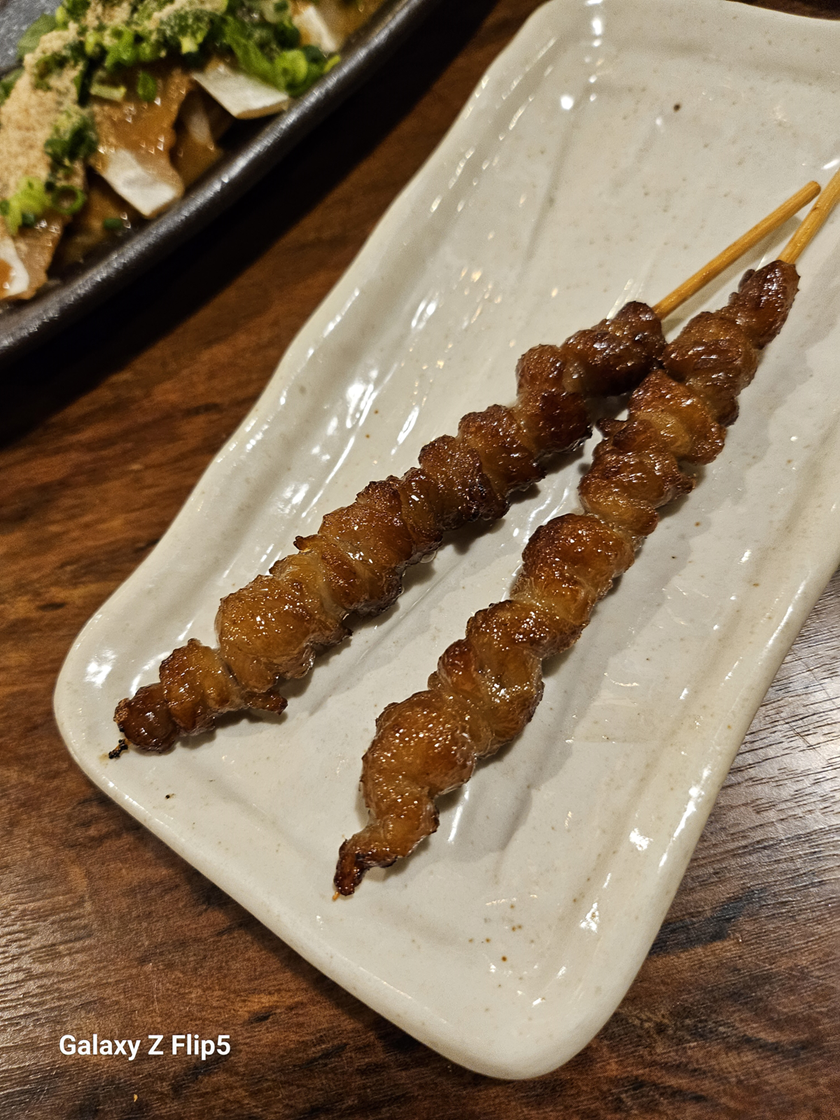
(273, 629)
(488, 684)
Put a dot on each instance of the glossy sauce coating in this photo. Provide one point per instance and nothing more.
(488, 685)
(273, 628)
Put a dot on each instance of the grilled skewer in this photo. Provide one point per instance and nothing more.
(487, 685)
(274, 627)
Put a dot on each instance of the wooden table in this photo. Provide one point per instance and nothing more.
(735, 1012)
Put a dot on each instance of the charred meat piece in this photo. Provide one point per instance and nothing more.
(273, 628)
(488, 685)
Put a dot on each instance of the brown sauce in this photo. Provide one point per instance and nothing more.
(192, 157)
(200, 123)
(5, 276)
(36, 248)
(142, 127)
(87, 229)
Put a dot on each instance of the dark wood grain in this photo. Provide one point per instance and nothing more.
(105, 431)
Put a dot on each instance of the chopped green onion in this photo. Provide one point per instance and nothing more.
(26, 205)
(75, 9)
(113, 224)
(147, 87)
(7, 83)
(148, 50)
(94, 43)
(67, 200)
(73, 138)
(109, 93)
(121, 48)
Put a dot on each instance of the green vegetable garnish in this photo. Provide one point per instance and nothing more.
(258, 50)
(185, 31)
(26, 205)
(147, 87)
(71, 10)
(65, 199)
(33, 198)
(71, 55)
(73, 139)
(76, 8)
(108, 92)
(259, 34)
(7, 84)
(121, 48)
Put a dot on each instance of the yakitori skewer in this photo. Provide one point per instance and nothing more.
(273, 628)
(488, 684)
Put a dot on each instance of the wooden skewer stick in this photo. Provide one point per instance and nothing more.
(737, 249)
(813, 220)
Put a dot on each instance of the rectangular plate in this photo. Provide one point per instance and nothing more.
(607, 153)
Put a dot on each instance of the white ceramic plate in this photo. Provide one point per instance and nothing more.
(611, 149)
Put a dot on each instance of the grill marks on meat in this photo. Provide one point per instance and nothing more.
(488, 684)
(274, 628)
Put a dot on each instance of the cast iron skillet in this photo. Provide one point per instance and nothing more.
(251, 149)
